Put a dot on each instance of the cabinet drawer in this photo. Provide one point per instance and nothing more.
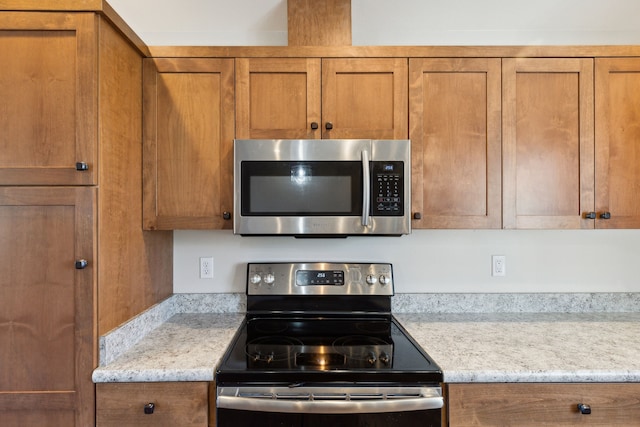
(175, 404)
(543, 404)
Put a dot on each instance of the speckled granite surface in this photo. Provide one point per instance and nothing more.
(617, 302)
(530, 347)
(186, 347)
(474, 338)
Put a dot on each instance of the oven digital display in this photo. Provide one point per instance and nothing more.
(319, 277)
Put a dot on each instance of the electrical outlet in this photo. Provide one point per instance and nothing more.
(206, 267)
(498, 265)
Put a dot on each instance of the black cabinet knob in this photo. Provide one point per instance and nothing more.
(605, 215)
(149, 408)
(417, 215)
(328, 126)
(590, 215)
(82, 166)
(81, 264)
(226, 215)
(584, 408)
(314, 125)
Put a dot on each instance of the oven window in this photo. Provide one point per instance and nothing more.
(235, 418)
(293, 188)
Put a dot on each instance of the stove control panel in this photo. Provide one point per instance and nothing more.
(319, 278)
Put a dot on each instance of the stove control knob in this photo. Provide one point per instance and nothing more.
(371, 279)
(269, 279)
(255, 279)
(384, 358)
(371, 358)
(384, 280)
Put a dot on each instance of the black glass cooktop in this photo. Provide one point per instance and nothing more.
(298, 349)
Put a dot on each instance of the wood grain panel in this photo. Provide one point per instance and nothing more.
(48, 64)
(277, 98)
(548, 143)
(129, 254)
(365, 98)
(523, 405)
(319, 23)
(46, 318)
(188, 143)
(176, 404)
(617, 136)
(455, 135)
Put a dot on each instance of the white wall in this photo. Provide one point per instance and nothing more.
(427, 260)
(386, 22)
(432, 260)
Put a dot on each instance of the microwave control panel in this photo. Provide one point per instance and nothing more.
(387, 188)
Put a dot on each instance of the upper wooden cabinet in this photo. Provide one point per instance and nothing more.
(335, 98)
(49, 126)
(188, 143)
(548, 143)
(454, 121)
(617, 143)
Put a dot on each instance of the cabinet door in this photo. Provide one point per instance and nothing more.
(548, 150)
(617, 143)
(46, 306)
(455, 141)
(182, 404)
(523, 405)
(188, 143)
(48, 112)
(365, 98)
(277, 98)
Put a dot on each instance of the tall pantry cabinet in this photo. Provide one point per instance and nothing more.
(74, 261)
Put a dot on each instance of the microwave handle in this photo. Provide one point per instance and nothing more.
(366, 188)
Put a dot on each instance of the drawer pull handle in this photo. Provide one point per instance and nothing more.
(584, 408)
(149, 408)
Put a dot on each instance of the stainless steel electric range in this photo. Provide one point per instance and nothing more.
(319, 346)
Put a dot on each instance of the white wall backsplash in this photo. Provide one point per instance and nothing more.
(432, 261)
(426, 261)
(384, 22)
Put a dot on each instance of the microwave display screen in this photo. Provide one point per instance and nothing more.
(301, 188)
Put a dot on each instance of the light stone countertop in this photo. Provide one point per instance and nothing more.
(530, 347)
(186, 347)
(184, 337)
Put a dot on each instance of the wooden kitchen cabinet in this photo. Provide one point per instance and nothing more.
(548, 142)
(455, 133)
(169, 404)
(46, 305)
(292, 98)
(539, 404)
(617, 90)
(48, 113)
(188, 143)
(71, 85)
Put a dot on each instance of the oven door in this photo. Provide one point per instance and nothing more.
(330, 406)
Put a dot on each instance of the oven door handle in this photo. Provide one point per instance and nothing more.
(366, 188)
(382, 405)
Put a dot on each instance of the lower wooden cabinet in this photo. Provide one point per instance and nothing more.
(536, 404)
(184, 404)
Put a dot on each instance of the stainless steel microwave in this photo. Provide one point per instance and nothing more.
(322, 187)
